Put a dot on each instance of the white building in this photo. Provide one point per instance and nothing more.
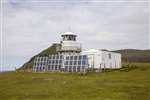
(70, 59)
(100, 59)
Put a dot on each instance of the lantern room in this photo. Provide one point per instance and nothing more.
(69, 36)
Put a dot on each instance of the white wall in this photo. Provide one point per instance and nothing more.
(111, 60)
(103, 59)
(71, 45)
(94, 58)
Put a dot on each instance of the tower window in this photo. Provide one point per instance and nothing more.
(69, 37)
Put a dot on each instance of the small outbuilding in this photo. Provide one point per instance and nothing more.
(102, 59)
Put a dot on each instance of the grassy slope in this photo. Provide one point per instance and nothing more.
(46, 52)
(115, 85)
(133, 55)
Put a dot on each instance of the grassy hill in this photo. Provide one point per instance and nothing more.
(132, 82)
(50, 50)
(133, 55)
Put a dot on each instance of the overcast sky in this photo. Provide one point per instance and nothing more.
(30, 26)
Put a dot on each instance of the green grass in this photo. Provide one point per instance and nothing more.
(125, 84)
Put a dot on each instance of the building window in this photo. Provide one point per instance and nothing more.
(70, 38)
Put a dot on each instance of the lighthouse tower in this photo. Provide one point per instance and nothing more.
(68, 44)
